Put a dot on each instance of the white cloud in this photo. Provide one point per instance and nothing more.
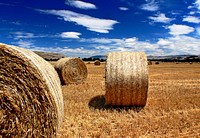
(124, 44)
(163, 42)
(68, 51)
(20, 35)
(177, 45)
(191, 19)
(102, 47)
(97, 40)
(70, 35)
(123, 8)
(195, 7)
(26, 35)
(192, 13)
(198, 30)
(197, 4)
(180, 29)
(81, 4)
(91, 23)
(150, 6)
(131, 41)
(24, 44)
(160, 18)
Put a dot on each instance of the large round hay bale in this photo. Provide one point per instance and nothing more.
(71, 70)
(31, 102)
(126, 79)
(97, 63)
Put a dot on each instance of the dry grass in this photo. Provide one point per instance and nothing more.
(172, 109)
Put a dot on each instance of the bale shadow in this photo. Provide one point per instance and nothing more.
(99, 102)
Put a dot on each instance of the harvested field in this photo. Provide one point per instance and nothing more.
(172, 109)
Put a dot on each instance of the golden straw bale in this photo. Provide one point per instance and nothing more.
(31, 101)
(149, 62)
(126, 79)
(71, 70)
(97, 63)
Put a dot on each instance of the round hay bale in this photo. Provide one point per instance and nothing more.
(31, 102)
(71, 70)
(157, 62)
(126, 79)
(97, 63)
(149, 62)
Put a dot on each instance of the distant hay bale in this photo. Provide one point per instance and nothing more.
(97, 62)
(126, 79)
(71, 70)
(190, 62)
(31, 102)
(157, 62)
(149, 62)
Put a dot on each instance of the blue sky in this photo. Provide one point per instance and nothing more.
(95, 27)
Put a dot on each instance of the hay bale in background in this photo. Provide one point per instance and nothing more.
(149, 62)
(97, 63)
(157, 62)
(126, 79)
(31, 102)
(71, 70)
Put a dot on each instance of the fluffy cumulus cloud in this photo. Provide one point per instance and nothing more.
(191, 19)
(123, 8)
(91, 23)
(180, 29)
(73, 35)
(151, 5)
(180, 45)
(80, 4)
(163, 42)
(124, 44)
(175, 45)
(160, 18)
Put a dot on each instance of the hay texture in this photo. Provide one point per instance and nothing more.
(31, 102)
(71, 70)
(97, 63)
(126, 79)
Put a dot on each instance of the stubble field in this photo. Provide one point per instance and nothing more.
(172, 109)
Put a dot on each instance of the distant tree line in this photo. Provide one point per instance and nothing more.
(179, 59)
(93, 59)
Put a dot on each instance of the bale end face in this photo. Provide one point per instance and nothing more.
(126, 79)
(97, 63)
(71, 70)
(30, 95)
